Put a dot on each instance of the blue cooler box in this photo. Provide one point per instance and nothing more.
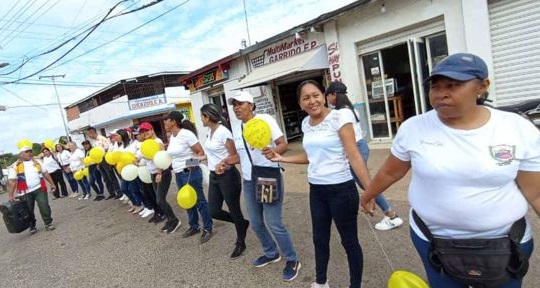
(16, 216)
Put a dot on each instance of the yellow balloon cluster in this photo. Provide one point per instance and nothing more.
(23, 143)
(127, 157)
(96, 154)
(186, 197)
(149, 148)
(257, 133)
(405, 279)
(87, 161)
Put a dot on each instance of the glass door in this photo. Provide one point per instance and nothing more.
(379, 117)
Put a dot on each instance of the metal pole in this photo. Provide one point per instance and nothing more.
(53, 77)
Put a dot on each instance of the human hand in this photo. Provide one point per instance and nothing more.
(220, 168)
(367, 207)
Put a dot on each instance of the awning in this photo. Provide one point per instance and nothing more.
(137, 114)
(312, 60)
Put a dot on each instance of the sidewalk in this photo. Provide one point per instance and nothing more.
(99, 244)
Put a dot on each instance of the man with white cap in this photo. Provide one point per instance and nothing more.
(27, 177)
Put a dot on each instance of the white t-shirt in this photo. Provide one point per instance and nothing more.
(349, 116)
(215, 148)
(328, 162)
(256, 155)
(63, 157)
(33, 181)
(180, 148)
(149, 163)
(49, 164)
(462, 182)
(76, 160)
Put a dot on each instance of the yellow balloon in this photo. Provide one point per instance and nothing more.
(87, 161)
(119, 167)
(23, 143)
(86, 171)
(257, 133)
(186, 197)
(149, 148)
(96, 153)
(109, 158)
(127, 157)
(117, 155)
(49, 144)
(78, 175)
(405, 279)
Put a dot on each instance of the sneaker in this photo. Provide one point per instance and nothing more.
(317, 285)
(206, 235)
(130, 210)
(159, 218)
(165, 227)
(33, 230)
(81, 198)
(174, 226)
(122, 198)
(147, 213)
(110, 196)
(49, 227)
(264, 260)
(388, 223)
(190, 232)
(142, 211)
(138, 209)
(291, 270)
(239, 249)
(99, 198)
(74, 194)
(118, 196)
(87, 197)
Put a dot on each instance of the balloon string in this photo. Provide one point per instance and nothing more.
(380, 243)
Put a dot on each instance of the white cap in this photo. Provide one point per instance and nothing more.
(241, 96)
(25, 148)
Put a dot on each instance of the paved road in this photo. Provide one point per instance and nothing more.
(99, 244)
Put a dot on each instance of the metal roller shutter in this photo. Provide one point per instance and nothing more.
(515, 41)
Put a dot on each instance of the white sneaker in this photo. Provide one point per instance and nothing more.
(317, 285)
(123, 197)
(387, 223)
(142, 211)
(87, 197)
(147, 213)
(81, 198)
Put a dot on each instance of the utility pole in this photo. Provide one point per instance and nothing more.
(53, 77)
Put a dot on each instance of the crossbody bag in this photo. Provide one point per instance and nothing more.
(479, 263)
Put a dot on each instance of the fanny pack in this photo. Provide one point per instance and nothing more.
(479, 263)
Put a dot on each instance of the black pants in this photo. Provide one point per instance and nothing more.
(109, 177)
(161, 189)
(58, 180)
(227, 187)
(149, 197)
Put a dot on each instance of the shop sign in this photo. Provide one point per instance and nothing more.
(217, 74)
(283, 50)
(333, 59)
(146, 102)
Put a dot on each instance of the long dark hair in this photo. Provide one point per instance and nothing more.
(213, 112)
(181, 121)
(125, 137)
(342, 100)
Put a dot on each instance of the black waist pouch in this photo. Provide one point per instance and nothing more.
(479, 263)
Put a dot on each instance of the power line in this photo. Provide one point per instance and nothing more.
(12, 93)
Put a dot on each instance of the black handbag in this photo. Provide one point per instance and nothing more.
(479, 263)
(266, 181)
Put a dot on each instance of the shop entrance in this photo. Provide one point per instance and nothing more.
(402, 68)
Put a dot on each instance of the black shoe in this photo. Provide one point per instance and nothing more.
(99, 198)
(152, 219)
(239, 248)
(111, 196)
(33, 230)
(190, 232)
(206, 235)
(165, 227)
(174, 226)
(117, 196)
(158, 219)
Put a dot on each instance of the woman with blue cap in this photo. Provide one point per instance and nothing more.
(475, 170)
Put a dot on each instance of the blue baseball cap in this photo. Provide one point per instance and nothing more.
(461, 67)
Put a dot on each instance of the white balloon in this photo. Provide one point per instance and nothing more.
(162, 160)
(129, 172)
(144, 175)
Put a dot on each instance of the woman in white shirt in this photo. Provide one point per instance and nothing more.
(336, 94)
(63, 156)
(183, 148)
(129, 188)
(329, 145)
(52, 165)
(76, 164)
(225, 182)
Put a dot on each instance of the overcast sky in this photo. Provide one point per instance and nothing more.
(188, 36)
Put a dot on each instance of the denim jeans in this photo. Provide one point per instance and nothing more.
(338, 202)
(84, 185)
(161, 189)
(109, 177)
(72, 182)
(271, 213)
(95, 179)
(194, 178)
(42, 199)
(227, 187)
(439, 280)
(131, 190)
(380, 200)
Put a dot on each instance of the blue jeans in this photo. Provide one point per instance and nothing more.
(95, 179)
(380, 200)
(194, 178)
(258, 213)
(131, 190)
(72, 182)
(442, 281)
(340, 203)
(84, 185)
